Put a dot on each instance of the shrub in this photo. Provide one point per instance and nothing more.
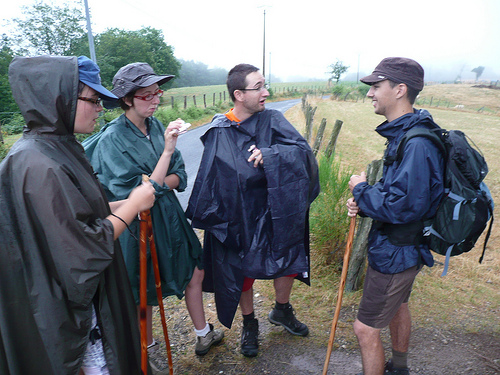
(14, 125)
(340, 90)
(362, 89)
(110, 114)
(3, 151)
(328, 215)
(166, 115)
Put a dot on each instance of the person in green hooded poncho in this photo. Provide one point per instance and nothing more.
(123, 151)
(66, 307)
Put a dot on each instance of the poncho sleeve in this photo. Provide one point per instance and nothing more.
(120, 158)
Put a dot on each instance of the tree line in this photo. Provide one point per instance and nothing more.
(60, 30)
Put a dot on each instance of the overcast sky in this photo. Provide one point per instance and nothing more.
(447, 37)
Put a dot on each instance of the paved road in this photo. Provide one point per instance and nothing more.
(191, 148)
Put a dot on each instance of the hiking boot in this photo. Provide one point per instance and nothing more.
(287, 319)
(158, 363)
(250, 338)
(204, 343)
(389, 369)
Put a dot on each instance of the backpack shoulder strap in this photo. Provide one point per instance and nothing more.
(434, 135)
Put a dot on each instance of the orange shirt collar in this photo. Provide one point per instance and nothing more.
(230, 115)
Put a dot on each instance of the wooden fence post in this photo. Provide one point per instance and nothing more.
(309, 121)
(330, 149)
(360, 243)
(319, 137)
(205, 100)
(172, 101)
(185, 101)
(194, 100)
(214, 99)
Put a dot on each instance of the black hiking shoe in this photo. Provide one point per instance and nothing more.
(389, 369)
(250, 338)
(287, 319)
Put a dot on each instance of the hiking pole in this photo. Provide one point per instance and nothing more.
(143, 226)
(159, 295)
(147, 224)
(343, 278)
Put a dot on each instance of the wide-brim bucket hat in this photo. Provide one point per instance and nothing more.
(134, 76)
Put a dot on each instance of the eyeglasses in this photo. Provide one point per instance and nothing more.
(260, 88)
(97, 101)
(149, 97)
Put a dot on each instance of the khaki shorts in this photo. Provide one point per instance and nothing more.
(383, 295)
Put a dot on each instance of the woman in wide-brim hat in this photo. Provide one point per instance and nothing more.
(134, 144)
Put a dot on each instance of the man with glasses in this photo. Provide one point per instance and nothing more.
(256, 180)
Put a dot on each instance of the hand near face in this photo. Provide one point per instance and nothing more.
(171, 134)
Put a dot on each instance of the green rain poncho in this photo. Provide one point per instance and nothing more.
(57, 254)
(120, 155)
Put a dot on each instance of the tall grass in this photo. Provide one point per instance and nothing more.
(328, 220)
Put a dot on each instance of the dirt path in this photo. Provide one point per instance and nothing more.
(433, 351)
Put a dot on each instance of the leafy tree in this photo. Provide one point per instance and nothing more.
(116, 48)
(48, 29)
(479, 70)
(7, 103)
(198, 74)
(337, 70)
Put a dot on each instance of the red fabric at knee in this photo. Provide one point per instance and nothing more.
(247, 284)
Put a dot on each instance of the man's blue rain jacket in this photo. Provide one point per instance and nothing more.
(409, 191)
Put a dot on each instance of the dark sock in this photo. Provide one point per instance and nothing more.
(399, 359)
(248, 318)
(281, 306)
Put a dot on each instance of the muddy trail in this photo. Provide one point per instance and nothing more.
(433, 351)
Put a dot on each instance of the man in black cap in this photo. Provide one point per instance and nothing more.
(408, 193)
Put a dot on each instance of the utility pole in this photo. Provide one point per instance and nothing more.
(269, 69)
(89, 33)
(264, 48)
(357, 75)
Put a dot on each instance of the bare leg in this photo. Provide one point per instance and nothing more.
(246, 302)
(400, 327)
(372, 350)
(283, 288)
(194, 299)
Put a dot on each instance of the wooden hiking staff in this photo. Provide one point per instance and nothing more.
(142, 295)
(146, 228)
(347, 254)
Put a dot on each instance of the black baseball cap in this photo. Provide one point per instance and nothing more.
(399, 70)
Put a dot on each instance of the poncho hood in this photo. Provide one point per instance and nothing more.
(58, 257)
(46, 88)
